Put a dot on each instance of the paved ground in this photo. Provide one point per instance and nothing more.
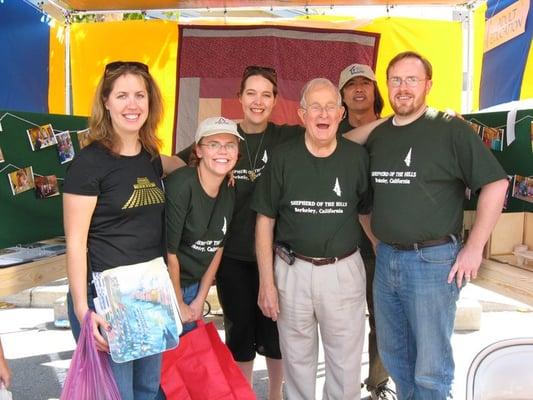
(39, 353)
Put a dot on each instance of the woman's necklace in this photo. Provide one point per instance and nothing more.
(252, 175)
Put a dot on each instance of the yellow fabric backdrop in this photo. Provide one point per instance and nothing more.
(154, 43)
(439, 41)
(479, 35)
(527, 82)
(56, 74)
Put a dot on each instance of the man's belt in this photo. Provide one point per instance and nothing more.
(426, 243)
(319, 261)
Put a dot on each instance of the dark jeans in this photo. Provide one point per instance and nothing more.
(377, 374)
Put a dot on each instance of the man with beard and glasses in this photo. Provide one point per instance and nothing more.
(421, 162)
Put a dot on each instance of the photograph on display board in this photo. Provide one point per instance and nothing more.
(46, 186)
(2, 159)
(41, 137)
(493, 138)
(523, 188)
(65, 149)
(475, 127)
(531, 134)
(21, 180)
(83, 138)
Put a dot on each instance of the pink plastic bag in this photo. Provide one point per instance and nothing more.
(89, 376)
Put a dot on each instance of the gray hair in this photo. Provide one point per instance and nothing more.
(317, 82)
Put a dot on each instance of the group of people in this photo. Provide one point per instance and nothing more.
(282, 236)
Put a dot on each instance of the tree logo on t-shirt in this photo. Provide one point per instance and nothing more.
(407, 159)
(265, 157)
(337, 188)
(224, 227)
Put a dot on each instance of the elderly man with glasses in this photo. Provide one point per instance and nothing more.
(307, 205)
(421, 162)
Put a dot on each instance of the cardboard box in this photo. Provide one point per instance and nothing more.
(511, 230)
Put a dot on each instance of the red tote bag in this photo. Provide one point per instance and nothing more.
(202, 368)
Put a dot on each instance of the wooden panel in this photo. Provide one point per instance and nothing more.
(511, 259)
(19, 277)
(507, 233)
(88, 5)
(507, 280)
(528, 230)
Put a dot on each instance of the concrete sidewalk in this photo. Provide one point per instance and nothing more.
(474, 300)
(39, 353)
(39, 296)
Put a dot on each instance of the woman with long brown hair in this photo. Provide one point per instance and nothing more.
(106, 223)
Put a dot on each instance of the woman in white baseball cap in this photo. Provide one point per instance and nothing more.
(247, 330)
(199, 209)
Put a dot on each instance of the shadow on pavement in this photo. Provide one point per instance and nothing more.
(33, 380)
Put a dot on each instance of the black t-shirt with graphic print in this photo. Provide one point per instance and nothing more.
(419, 173)
(196, 223)
(240, 241)
(315, 200)
(127, 223)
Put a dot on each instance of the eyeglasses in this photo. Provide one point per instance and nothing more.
(411, 81)
(329, 108)
(250, 69)
(216, 146)
(113, 66)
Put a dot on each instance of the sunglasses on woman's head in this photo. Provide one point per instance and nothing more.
(113, 66)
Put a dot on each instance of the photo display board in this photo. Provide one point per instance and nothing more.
(516, 157)
(31, 201)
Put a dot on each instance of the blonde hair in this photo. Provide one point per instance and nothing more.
(100, 125)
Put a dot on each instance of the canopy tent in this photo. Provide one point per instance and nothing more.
(92, 5)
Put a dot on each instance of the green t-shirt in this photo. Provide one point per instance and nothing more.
(196, 224)
(367, 250)
(419, 173)
(344, 126)
(240, 241)
(315, 200)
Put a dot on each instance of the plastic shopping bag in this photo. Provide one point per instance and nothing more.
(4, 393)
(89, 376)
(202, 368)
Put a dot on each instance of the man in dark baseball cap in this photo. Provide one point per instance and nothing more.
(363, 103)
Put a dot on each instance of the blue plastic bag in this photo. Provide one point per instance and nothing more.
(89, 376)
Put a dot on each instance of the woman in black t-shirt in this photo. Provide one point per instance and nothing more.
(105, 215)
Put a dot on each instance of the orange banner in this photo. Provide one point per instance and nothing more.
(507, 24)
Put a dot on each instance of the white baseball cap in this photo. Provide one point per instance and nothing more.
(351, 71)
(216, 125)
